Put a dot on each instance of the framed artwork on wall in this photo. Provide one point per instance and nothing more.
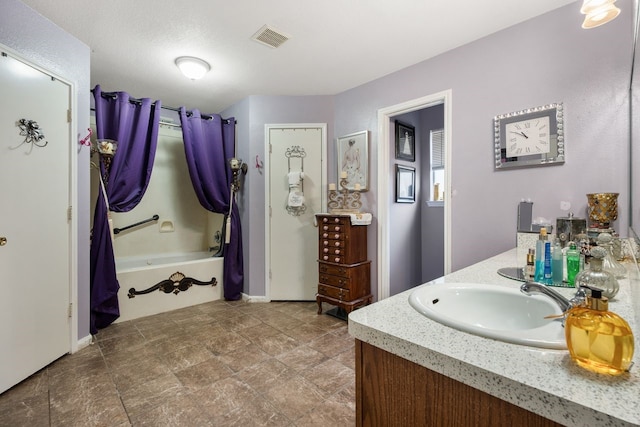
(353, 159)
(405, 142)
(405, 184)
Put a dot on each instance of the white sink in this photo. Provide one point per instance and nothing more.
(490, 311)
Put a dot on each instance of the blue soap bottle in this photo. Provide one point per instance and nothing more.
(548, 278)
(539, 273)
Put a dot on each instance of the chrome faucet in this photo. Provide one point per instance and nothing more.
(530, 288)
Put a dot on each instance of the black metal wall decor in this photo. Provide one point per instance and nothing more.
(32, 133)
(174, 284)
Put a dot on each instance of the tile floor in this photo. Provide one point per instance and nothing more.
(214, 364)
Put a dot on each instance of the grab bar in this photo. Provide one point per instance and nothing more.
(153, 218)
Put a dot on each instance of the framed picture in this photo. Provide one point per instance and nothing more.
(405, 184)
(405, 142)
(353, 160)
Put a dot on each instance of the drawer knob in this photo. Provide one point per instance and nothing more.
(337, 252)
(337, 259)
(325, 228)
(325, 235)
(336, 236)
(325, 220)
(337, 243)
(336, 220)
(325, 258)
(336, 228)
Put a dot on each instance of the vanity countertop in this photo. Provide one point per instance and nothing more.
(546, 382)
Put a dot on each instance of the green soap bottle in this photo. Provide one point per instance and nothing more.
(573, 264)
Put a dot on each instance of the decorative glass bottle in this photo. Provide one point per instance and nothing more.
(596, 277)
(609, 263)
(598, 339)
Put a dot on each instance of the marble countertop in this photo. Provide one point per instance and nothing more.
(546, 382)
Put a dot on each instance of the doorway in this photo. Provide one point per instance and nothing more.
(385, 183)
(35, 219)
(295, 169)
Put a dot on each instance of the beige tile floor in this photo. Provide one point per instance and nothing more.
(214, 364)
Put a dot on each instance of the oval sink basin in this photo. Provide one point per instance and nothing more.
(503, 314)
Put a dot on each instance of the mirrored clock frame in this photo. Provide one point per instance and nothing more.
(556, 153)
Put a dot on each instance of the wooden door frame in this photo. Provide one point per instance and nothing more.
(72, 192)
(384, 180)
(267, 193)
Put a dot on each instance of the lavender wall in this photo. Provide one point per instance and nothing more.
(405, 247)
(432, 235)
(547, 59)
(259, 111)
(43, 43)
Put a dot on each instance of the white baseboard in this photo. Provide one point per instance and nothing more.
(249, 298)
(84, 342)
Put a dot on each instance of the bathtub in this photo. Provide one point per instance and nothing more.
(143, 272)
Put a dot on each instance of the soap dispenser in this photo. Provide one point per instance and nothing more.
(599, 340)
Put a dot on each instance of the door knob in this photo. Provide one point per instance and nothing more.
(3, 241)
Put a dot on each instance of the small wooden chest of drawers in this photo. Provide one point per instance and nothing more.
(344, 271)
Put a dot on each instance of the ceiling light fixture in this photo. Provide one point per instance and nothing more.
(598, 12)
(193, 68)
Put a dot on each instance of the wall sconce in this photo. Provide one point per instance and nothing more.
(193, 68)
(236, 167)
(598, 12)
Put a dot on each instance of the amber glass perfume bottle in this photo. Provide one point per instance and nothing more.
(599, 340)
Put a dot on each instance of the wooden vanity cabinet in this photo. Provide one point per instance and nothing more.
(392, 391)
(344, 273)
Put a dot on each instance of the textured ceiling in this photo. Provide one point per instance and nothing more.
(334, 45)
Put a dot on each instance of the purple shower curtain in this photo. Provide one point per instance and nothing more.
(134, 125)
(208, 143)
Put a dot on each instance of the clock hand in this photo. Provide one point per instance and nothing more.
(521, 134)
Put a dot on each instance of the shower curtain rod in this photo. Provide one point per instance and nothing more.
(114, 95)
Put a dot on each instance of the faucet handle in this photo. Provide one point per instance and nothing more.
(580, 297)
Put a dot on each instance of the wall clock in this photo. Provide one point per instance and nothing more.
(532, 137)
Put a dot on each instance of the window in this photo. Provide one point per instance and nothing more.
(436, 142)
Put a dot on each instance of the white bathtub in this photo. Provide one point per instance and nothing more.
(143, 272)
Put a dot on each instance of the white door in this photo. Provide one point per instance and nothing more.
(35, 233)
(293, 239)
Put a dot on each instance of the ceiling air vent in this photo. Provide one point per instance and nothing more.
(270, 37)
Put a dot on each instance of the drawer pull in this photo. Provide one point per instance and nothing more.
(336, 236)
(325, 220)
(337, 244)
(325, 258)
(325, 235)
(337, 252)
(337, 260)
(336, 228)
(336, 220)
(325, 242)
(325, 228)
(325, 250)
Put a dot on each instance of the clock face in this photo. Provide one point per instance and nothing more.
(528, 137)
